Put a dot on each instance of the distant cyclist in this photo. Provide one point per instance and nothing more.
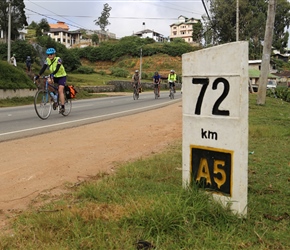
(172, 79)
(58, 74)
(157, 80)
(136, 80)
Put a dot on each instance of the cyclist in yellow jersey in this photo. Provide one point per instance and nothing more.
(172, 79)
(58, 73)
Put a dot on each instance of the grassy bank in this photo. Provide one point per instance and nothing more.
(144, 200)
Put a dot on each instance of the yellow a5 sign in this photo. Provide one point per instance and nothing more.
(212, 169)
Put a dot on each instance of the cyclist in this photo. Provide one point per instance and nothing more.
(157, 80)
(172, 79)
(136, 80)
(58, 73)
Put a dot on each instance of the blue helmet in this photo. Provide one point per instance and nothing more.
(50, 51)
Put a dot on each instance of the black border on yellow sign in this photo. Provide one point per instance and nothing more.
(212, 169)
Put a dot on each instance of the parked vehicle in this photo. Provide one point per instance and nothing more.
(271, 84)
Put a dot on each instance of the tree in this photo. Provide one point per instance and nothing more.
(41, 27)
(197, 31)
(18, 18)
(103, 21)
(282, 20)
(32, 25)
(95, 38)
(252, 22)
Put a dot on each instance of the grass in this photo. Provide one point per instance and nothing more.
(144, 200)
(92, 79)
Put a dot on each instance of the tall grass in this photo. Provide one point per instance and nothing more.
(145, 201)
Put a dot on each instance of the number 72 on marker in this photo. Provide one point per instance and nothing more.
(205, 85)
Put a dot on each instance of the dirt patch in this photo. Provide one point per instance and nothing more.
(43, 164)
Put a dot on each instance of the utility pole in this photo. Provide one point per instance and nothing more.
(9, 33)
(237, 22)
(261, 96)
(140, 75)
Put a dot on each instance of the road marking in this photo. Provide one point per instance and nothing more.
(89, 118)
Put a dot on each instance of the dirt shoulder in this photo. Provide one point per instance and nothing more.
(43, 164)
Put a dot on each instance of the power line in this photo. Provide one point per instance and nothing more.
(53, 18)
(49, 11)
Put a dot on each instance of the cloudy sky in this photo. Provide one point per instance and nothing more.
(126, 17)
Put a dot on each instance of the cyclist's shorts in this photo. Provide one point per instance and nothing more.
(171, 83)
(60, 80)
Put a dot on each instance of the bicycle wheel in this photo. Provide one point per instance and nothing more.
(42, 104)
(171, 94)
(156, 93)
(67, 107)
(134, 95)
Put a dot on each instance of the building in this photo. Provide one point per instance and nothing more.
(150, 34)
(60, 33)
(22, 34)
(183, 29)
(255, 71)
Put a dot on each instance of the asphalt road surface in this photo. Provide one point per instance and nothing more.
(19, 122)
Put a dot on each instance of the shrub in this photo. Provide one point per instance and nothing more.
(85, 70)
(119, 72)
(14, 77)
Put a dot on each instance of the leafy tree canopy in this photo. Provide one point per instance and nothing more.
(103, 20)
(18, 18)
(252, 23)
(42, 26)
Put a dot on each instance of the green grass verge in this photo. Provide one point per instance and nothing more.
(145, 200)
(92, 79)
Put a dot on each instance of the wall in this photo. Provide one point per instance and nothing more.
(112, 86)
(10, 93)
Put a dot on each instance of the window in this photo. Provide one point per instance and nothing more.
(56, 34)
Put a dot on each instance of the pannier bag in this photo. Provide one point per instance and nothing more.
(70, 91)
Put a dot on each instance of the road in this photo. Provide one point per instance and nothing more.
(19, 122)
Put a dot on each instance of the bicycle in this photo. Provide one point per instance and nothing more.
(47, 98)
(135, 92)
(171, 91)
(156, 90)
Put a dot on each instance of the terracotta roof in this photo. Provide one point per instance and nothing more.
(59, 25)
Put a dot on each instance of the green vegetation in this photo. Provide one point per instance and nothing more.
(252, 20)
(145, 200)
(14, 78)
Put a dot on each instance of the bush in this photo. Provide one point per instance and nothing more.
(14, 78)
(85, 70)
(119, 72)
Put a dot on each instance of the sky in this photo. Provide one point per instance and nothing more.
(126, 17)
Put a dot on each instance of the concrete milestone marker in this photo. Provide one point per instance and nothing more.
(215, 122)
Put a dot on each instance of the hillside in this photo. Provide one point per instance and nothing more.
(161, 63)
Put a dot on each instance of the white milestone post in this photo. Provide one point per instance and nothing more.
(215, 122)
